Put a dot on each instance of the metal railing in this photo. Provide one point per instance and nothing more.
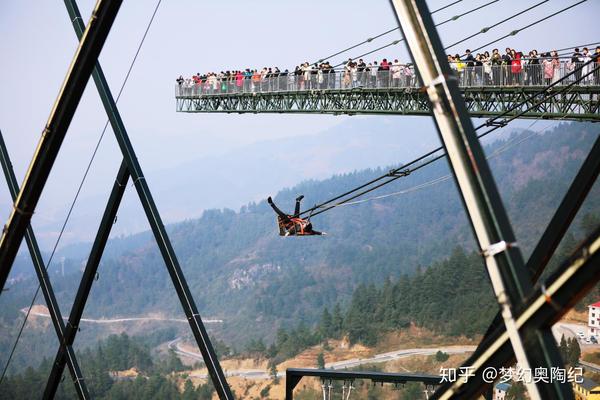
(401, 76)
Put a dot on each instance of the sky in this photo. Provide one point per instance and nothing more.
(38, 43)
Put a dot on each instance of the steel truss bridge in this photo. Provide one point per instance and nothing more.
(278, 95)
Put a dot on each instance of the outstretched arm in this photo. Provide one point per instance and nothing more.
(276, 209)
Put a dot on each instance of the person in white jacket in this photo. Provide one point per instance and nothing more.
(585, 58)
(396, 71)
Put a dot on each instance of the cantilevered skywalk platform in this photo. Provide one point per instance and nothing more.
(486, 95)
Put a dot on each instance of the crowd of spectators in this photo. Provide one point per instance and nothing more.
(483, 69)
(306, 76)
(514, 68)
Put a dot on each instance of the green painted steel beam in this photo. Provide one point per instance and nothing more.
(42, 275)
(55, 130)
(491, 226)
(579, 103)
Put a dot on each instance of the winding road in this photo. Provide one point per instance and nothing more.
(121, 320)
(338, 365)
(568, 329)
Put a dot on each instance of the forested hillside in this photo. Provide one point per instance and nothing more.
(452, 297)
(103, 368)
(240, 270)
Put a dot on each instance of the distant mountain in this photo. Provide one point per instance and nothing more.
(249, 173)
(241, 271)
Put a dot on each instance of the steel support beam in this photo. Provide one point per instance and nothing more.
(560, 222)
(156, 224)
(564, 215)
(576, 103)
(43, 278)
(294, 375)
(545, 306)
(89, 48)
(508, 275)
(87, 280)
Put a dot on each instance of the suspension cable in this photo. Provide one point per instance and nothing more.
(512, 33)
(395, 42)
(446, 6)
(444, 178)
(487, 28)
(370, 39)
(404, 170)
(72, 206)
(454, 18)
(581, 45)
(516, 31)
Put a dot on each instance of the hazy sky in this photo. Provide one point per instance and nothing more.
(38, 44)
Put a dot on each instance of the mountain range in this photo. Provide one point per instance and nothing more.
(241, 271)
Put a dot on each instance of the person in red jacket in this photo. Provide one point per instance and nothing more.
(384, 69)
(516, 67)
(239, 81)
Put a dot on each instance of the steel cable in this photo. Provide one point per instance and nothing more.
(404, 170)
(512, 33)
(370, 39)
(395, 42)
(516, 31)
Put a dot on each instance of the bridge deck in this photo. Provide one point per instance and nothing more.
(486, 95)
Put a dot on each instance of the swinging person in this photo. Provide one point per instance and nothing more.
(293, 225)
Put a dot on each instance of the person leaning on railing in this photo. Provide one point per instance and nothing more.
(576, 61)
(516, 68)
(469, 67)
(506, 61)
(460, 68)
(374, 70)
(496, 60)
(533, 68)
(585, 59)
(556, 65)
(396, 71)
(596, 66)
(548, 66)
(479, 70)
(362, 71)
(408, 75)
(255, 80)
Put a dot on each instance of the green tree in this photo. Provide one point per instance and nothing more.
(205, 392)
(412, 391)
(574, 352)
(563, 348)
(189, 391)
(256, 346)
(265, 392)
(321, 360)
(326, 324)
(337, 321)
(173, 363)
(516, 391)
(440, 356)
(273, 372)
